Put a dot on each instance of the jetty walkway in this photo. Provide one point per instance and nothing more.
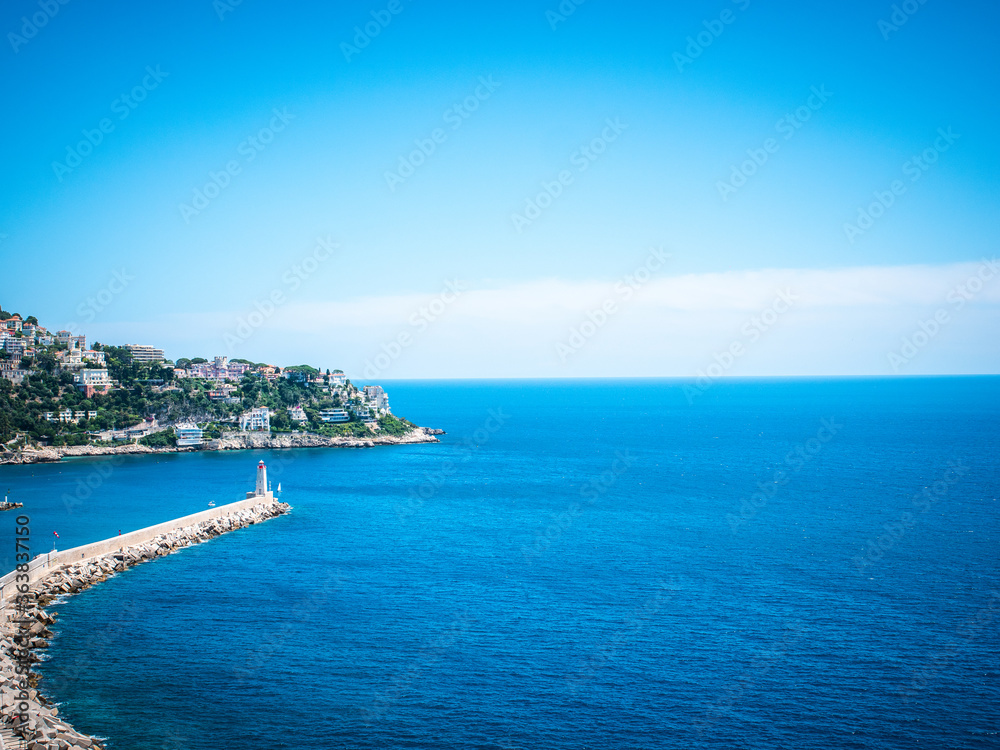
(28, 719)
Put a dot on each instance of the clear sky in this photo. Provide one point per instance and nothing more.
(169, 167)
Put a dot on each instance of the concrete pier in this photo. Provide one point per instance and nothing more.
(58, 573)
(48, 562)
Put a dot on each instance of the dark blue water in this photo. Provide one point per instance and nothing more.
(576, 565)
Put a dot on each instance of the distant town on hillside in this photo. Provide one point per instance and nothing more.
(56, 390)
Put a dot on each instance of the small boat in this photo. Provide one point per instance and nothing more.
(279, 487)
(211, 503)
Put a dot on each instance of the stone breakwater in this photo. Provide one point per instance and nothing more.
(232, 441)
(25, 710)
(245, 440)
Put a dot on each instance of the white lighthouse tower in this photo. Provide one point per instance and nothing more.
(261, 490)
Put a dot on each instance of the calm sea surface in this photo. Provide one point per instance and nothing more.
(779, 564)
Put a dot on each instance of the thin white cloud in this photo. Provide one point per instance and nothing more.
(842, 321)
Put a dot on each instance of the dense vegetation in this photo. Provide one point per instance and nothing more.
(151, 390)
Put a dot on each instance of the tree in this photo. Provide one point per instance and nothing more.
(31, 320)
(6, 432)
(310, 371)
(281, 422)
(45, 362)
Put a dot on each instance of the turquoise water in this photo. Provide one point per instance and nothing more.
(598, 564)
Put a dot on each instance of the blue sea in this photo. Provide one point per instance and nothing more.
(598, 564)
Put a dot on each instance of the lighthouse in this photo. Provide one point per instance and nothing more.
(261, 480)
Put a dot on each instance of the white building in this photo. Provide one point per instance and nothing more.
(12, 324)
(256, 420)
(144, 353)
(11, 370)
(188, 435)
(70, 358)
(377, 398)
(69, 415)
(296, 414)
(334, 415)
(95, 378)
(146, 427)
(338, 378)
(14, 347)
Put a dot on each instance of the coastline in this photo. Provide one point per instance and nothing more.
(236, 441)
(26, 629)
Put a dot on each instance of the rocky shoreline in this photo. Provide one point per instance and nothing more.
(24, 632)
(234, 441)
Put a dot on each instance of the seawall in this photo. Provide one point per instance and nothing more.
(47, 562)
(230, 441)
(24, 624)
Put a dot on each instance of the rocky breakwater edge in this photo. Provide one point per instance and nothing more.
(25, 626)
(256, 440)
(234, 441)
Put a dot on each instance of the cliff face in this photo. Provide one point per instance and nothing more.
(237, 441)
(41, 455)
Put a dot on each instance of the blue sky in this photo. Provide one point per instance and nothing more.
(682, 126)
